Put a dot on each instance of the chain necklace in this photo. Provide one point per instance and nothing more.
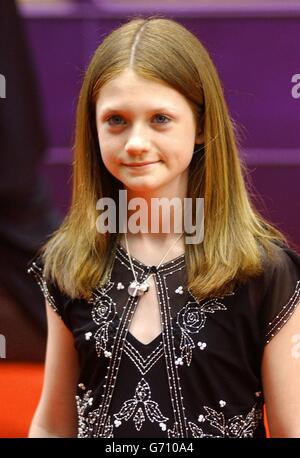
(135, 288)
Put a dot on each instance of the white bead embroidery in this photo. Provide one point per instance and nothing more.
(38, 273)
(85, 421)
(191, 319)
(103, 314)
(237, 426)
(284, 314)
(179, 290)
(179, 361)
(141, 363)
(140, 407)
(201, 345)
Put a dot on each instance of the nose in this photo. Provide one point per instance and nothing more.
(137, 141)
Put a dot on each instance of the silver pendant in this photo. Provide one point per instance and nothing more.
(138, 289)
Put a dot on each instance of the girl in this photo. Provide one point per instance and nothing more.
(149, 336)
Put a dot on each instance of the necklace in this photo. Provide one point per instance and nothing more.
(135, 288)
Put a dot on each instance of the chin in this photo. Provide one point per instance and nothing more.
(141, 187)
(145, 186)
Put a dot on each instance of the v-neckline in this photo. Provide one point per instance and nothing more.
(153, 342)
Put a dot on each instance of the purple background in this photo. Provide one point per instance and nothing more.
(256, 49)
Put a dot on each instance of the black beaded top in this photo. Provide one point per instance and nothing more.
(200, 377)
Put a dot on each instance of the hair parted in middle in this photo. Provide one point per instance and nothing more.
(236, 237)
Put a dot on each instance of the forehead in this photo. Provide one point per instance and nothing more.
(128, 90)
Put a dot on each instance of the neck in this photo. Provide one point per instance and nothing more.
(150, 251)
(160, 215)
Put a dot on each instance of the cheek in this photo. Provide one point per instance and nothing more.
(181, 157)
(106, 160)
(107, 157)
(107, 148)
(180, 149)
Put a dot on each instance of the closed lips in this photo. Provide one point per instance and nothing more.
(140, 164)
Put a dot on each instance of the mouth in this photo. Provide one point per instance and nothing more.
(141, 165)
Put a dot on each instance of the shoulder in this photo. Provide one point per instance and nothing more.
(286, 262)
(49, 287)
(280, 289)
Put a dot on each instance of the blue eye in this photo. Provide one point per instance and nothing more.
(162, 116)
(114, 117)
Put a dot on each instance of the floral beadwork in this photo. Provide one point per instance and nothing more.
(234, 427)
(193, 380)
(191, 319)
(142, 407)
(85, 421)
(103, 313)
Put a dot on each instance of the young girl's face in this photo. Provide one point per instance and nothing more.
(142, 121)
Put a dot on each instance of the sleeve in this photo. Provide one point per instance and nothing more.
(282, 292)
(55, 298)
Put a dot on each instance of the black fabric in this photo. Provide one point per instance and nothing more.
(200, 377)
(50, 290)
(283, 283)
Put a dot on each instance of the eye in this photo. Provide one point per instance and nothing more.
(161, 116)
(113, 118)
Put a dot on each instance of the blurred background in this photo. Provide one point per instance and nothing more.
(45, 47)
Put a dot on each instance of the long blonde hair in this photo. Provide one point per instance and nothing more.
(236, 235)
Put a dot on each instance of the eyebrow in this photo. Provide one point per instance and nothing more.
(110, 109)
